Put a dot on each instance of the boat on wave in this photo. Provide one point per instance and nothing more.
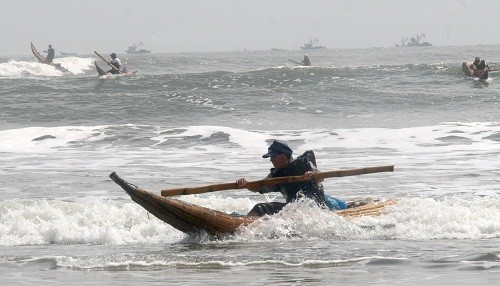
(43, 60)
(480, 74)
(134, 49)
(191, 219)
(101, 72)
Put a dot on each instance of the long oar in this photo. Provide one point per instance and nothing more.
(275, 181)
(112, 66)
(295, 62)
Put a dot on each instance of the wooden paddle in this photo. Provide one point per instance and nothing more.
(295, 62)
(112, 66)
(275, 181)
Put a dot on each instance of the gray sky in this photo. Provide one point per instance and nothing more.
(170, 26)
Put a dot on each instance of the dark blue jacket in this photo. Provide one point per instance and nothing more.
(311, 189)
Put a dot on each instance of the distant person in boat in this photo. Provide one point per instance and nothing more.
(284, 165)
(116, 63)
(483, 66)
(480, 68)
(306, 61)
(475, 64)
(50, 54)
(484, 69)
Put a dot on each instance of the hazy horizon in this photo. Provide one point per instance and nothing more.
(224, 25)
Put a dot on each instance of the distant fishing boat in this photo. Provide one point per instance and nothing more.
(277, 50)
(134, 49)
(68, 54)
(311, 46)
(414, 42)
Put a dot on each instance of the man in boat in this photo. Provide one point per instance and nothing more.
(284, 165)
(50, 54)
(475, 64)
(306, 61)
(116, 63)
(480, 68)
(484, 69)
(483, 66)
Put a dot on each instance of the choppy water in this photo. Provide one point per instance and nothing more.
(196, 119)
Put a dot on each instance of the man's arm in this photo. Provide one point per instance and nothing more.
(264, 189)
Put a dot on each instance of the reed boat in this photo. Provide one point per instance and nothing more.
(100, 71)
(190, 218)
(480, 74)
(43, 60)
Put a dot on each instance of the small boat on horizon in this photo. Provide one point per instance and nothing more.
(68, 54)
(134, 49)
(414, 42)
(311, 46)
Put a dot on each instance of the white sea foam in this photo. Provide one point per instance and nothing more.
(43, 139)
(76, 65)
(34, 222)
(126, 262)
(409, 219)
(429, 138)
(21, 69)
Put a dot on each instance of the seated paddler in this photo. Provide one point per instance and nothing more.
(476, 63)
(284, 164)
(117, 64)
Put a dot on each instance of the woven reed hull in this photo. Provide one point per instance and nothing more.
(370, 209)
(186, 217)
(37, 54)
(190, 218)
(100, 71)
(43, 60)
(467, 70)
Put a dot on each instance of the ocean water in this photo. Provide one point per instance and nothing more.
(193, 119)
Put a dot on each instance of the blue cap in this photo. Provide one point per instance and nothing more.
(276, 148)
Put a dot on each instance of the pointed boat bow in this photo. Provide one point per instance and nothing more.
(186, 217)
